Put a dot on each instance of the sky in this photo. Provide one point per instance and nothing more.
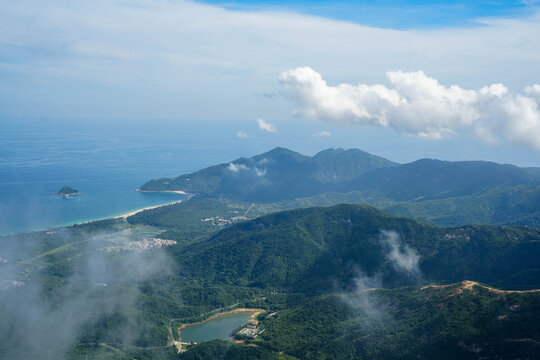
(439, 70)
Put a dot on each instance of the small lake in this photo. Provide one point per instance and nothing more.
(219, 327)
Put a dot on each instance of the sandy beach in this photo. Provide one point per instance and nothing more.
(165, 191)
(126, 215)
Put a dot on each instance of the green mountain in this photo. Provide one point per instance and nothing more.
(279, 174)
(442, 192)
(461, 321)
(317, 248)
(351, 276)
(348, 281)
(432, 179)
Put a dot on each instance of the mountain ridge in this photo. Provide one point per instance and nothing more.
(444, 192)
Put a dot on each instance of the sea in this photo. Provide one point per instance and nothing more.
(108, 160)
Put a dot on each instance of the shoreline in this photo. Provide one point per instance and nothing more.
(121, 216)
(164, 191)
(252, 317)
(134, 212)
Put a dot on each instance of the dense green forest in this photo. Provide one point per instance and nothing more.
(337, 281)
(442, 192)
(313, 269)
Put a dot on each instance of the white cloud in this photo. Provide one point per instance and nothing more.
(402, 257)
(265, 126)
(259, 172)
(534, 92)
(241, 135)
(176, 58)
(236, 168)
(322, 134)
(418, 104)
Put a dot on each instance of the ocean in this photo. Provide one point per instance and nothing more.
(107, 160)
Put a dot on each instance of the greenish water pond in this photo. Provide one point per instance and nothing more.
(220, 327)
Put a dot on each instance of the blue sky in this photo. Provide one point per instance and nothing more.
(435, 72)
(393, 13)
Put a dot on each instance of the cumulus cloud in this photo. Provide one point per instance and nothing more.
(418, 104)
(265, 126)
(178, 67)
(322, 134)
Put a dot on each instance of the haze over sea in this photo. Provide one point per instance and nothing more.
(107, 161)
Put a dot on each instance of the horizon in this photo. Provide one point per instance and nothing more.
(458, 74)
(234, 139)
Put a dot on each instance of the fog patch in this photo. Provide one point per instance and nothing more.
(368, 308)
(237, 168)
(65, 298)
(402, 257)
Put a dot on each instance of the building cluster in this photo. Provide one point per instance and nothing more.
(220, 221)
(140, 246)
(250, 331)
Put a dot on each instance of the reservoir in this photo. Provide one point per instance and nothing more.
(219, 327)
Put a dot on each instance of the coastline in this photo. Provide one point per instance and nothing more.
(84, 222)
(164, 191)
(134, 212)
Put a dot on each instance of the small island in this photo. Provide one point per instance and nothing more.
(67, 192)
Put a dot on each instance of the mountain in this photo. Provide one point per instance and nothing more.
(348, 281)
(278, 174)
(431, 179)
(442, 192)
(517, 205)
(361, 285)
(465, 320)
(315, 249)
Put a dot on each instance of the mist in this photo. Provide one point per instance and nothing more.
(52, 312)
(366, 307)
(402, 257)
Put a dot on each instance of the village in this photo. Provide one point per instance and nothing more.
(140, 246)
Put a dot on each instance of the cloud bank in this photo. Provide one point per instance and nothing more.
(417, 104)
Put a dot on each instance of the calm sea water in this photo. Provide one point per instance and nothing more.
(108, 160)
(105, 162)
